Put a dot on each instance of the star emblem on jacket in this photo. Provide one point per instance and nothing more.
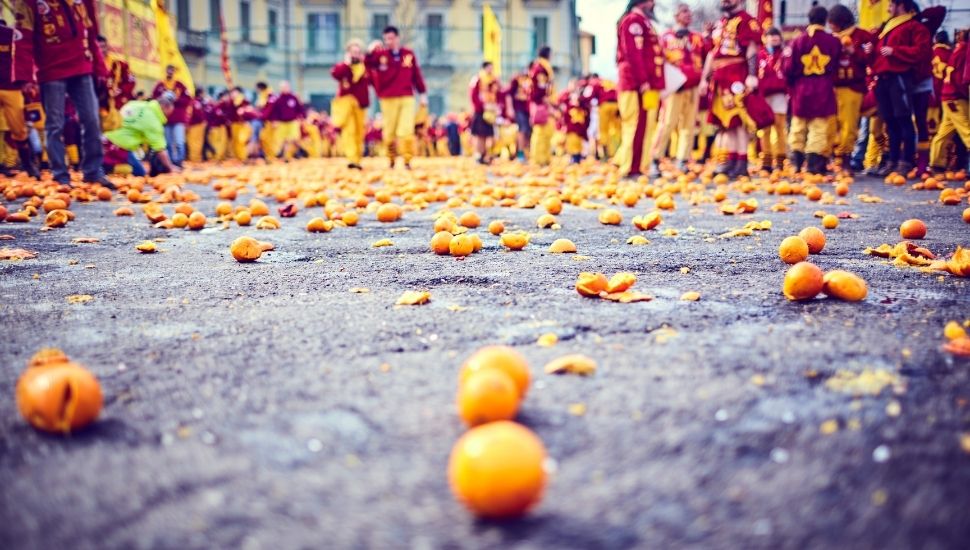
(815, 62)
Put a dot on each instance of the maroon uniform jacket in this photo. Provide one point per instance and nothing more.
(639, 58)
(183, 101)
(939, 62)
(853, 62)
(771, 78)
(955, 82)
(395, 74)
(685, 50)
(520, 90)
(811, 70)
(910, 41)
(344, 75)
(59, 38)
(283, 108)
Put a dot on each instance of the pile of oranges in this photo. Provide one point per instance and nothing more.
(497, 468)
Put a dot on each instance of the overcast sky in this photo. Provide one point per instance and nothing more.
(599, 17)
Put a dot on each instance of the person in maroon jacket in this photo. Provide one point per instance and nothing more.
(195, 131)
(483, 95)
(396, 77)
(175, 127)
(217, 126)
(639, 60)
(772, 86)
(285, 111)
(349, 110)
(851, 83)
(903, 43)
(59, 40)
(811, 64)
(953, 97)
(12, 101)
(517, 105)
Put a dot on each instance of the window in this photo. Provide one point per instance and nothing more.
(272, 17)
(436, 36)
(540, 33)
(436, 104)
(321, 102)
(244, 20)
(215, 11)
(183, 11)
(323, 32)
(378, 23)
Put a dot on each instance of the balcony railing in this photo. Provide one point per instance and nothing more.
(318, 58)
(251, 53)
(193, 42)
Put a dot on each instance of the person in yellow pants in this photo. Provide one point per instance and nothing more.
(195, 130)
(240, 131)
(12, 112)
(639, 59)
(543, 126)
(956, 117)
(349, 109)
(397, 77)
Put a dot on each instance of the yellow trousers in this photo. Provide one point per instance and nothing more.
(809, 135)
(574, 144)
(312, 143)
(609, 138)
(352, 133)
(218, 141)
(934, 117)
(774, 139)
(240, 132)
(398, 114)
(956, 120)
(541, 145)
(195, 141)
(877, 142)
(637, 128)
(286, 134)
(678, 116)
(269, 141)
(12, 110)
(849, 104)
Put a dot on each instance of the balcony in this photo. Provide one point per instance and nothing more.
(193, 42)
(319, 58)
(439, 59)
(247, 52)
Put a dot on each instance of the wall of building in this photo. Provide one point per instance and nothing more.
(449, 57)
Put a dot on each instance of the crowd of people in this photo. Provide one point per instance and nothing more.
(834, 97)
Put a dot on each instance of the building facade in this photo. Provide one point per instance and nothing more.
(300, 40)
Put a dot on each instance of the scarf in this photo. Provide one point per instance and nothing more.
(893, 23)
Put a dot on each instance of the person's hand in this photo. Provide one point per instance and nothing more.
(886, 51)
(751, 82)
(30, 88)
(373, 46)
(424, 100)
(786, 52)
(645, 87)
(867, 48)
(702, 88)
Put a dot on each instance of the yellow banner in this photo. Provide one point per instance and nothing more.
(129, 26)
(168, 46)
(873, 13)
(492, 38)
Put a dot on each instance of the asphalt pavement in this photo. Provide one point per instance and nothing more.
(266, 405)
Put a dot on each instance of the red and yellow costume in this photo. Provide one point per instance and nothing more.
(956, 115)
(731, 37)
(850, 87)
(773, 86)
(639, 60)
(396, 76)
(811, 69)
(678, 116)
(542, 76)
(349, 110)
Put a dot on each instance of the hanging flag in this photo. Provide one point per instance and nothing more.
(873, 13)
(766, 14)
(168, 47)
(492, 38)
(226, 68)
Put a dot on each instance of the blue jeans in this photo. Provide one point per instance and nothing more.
(137, 168)
(81, 90)
(33, 136)
(175, 137)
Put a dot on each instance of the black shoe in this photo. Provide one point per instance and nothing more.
(355, 166)
(885, 169)
(904, 168)
(726, 168)
(816, 164)
(797, 159)
(740, 169)
(28, 163)
(103, 181)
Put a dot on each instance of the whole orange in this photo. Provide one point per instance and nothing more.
(440, 242)
(814, 238)
(844, 286)
(497, 470)
(803, 281)
(793, 250)
(912, 229)
(502, 358)
(487, 395)
(461, 245)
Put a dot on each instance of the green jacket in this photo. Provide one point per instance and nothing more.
(142, 123)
